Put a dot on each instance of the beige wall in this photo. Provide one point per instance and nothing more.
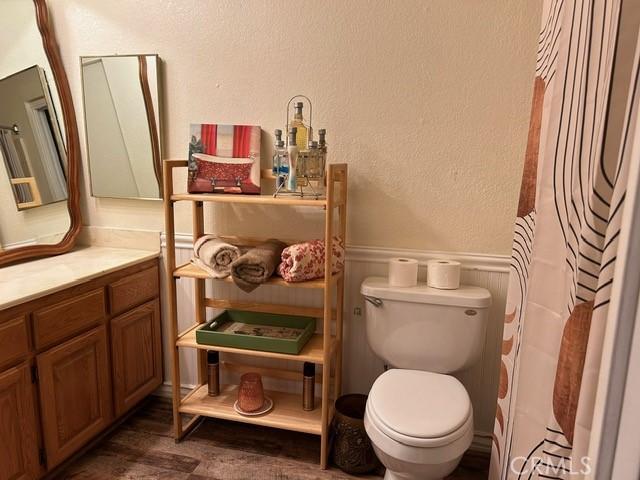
(427, 101)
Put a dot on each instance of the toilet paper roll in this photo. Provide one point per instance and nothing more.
(403, 272)
(443, 274)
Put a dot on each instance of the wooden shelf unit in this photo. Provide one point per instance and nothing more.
(323, 348)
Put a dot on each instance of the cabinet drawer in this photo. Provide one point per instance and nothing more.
(14, 341)
(133, 290)
(62, 320)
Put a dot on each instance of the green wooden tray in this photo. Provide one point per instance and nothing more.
(211, 333)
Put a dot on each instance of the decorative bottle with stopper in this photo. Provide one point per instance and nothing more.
(292, 151)
(322, 144)
(302, 129)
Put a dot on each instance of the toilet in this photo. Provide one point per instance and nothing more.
(419, 418)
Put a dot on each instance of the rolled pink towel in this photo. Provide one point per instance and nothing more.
(305, 261)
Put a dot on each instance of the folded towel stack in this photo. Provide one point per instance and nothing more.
(214, 256)
(251, 268)
(305, 261)
(256, 265)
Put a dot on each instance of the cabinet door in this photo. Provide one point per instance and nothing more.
(75, 393)
(136, 353)
(19, 446)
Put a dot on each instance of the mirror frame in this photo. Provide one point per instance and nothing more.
(72, 144)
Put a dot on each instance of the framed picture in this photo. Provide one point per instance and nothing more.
(224, 159)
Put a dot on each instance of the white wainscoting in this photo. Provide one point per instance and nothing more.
(360, 366)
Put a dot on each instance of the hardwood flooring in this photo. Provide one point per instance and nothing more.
(143, 448)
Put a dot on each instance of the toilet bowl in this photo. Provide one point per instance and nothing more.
(419, 418)
(420, 423)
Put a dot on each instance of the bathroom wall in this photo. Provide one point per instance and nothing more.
(427, 101)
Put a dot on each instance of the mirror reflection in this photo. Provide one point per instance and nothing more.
(30, 140)
(33, 163)
(121, 104)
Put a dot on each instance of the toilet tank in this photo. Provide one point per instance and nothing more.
(424, 328)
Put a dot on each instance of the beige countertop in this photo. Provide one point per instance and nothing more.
(27, 281)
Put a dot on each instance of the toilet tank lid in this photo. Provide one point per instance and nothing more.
(465, 296)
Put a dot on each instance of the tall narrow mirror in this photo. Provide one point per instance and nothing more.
(121, 109)
(33, 155)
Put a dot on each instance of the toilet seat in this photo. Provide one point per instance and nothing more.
(420, 409)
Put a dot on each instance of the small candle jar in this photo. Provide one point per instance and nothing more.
(250, 392)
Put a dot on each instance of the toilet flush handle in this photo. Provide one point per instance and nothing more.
(375, 301)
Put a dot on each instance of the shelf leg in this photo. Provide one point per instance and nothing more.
(172, 308)
(326, 325)
(190, 427)
(324, 438)
(339, 322)
(342, 226)
(200, 290)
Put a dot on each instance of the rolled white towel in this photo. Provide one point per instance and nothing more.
(214, 255)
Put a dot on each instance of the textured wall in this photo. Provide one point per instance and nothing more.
(427, 101)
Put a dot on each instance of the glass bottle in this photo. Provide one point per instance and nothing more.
(292, 152)
(280, 164)
(302, 129)
(275, 168)
(312, 169)
(322, 143)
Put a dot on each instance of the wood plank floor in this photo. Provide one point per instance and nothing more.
(143, 448)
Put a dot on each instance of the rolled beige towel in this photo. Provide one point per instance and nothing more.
(256, 266)
(214, 255)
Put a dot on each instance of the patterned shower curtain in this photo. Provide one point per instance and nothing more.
(565, 240)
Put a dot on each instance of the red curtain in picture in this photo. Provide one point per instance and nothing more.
(209, 136)
(241, 141)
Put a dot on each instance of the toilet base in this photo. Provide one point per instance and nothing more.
(435, 474)
(389, 475)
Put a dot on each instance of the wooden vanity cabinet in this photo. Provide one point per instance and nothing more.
(72, 363)
(75, 393)
(136, 355)
(19, 446)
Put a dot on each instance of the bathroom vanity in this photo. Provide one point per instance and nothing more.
(80, 346)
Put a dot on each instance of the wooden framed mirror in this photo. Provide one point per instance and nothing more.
(121, 97)
(39, 145)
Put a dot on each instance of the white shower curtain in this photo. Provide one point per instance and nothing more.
(565, 238)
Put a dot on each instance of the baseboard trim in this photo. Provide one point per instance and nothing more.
(356, 253)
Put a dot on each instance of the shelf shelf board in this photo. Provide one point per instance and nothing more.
(193, 271)
(250, 199)
(280, 309)
(287, 412)
(311, 352)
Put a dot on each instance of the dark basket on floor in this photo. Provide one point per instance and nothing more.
(352, 451)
